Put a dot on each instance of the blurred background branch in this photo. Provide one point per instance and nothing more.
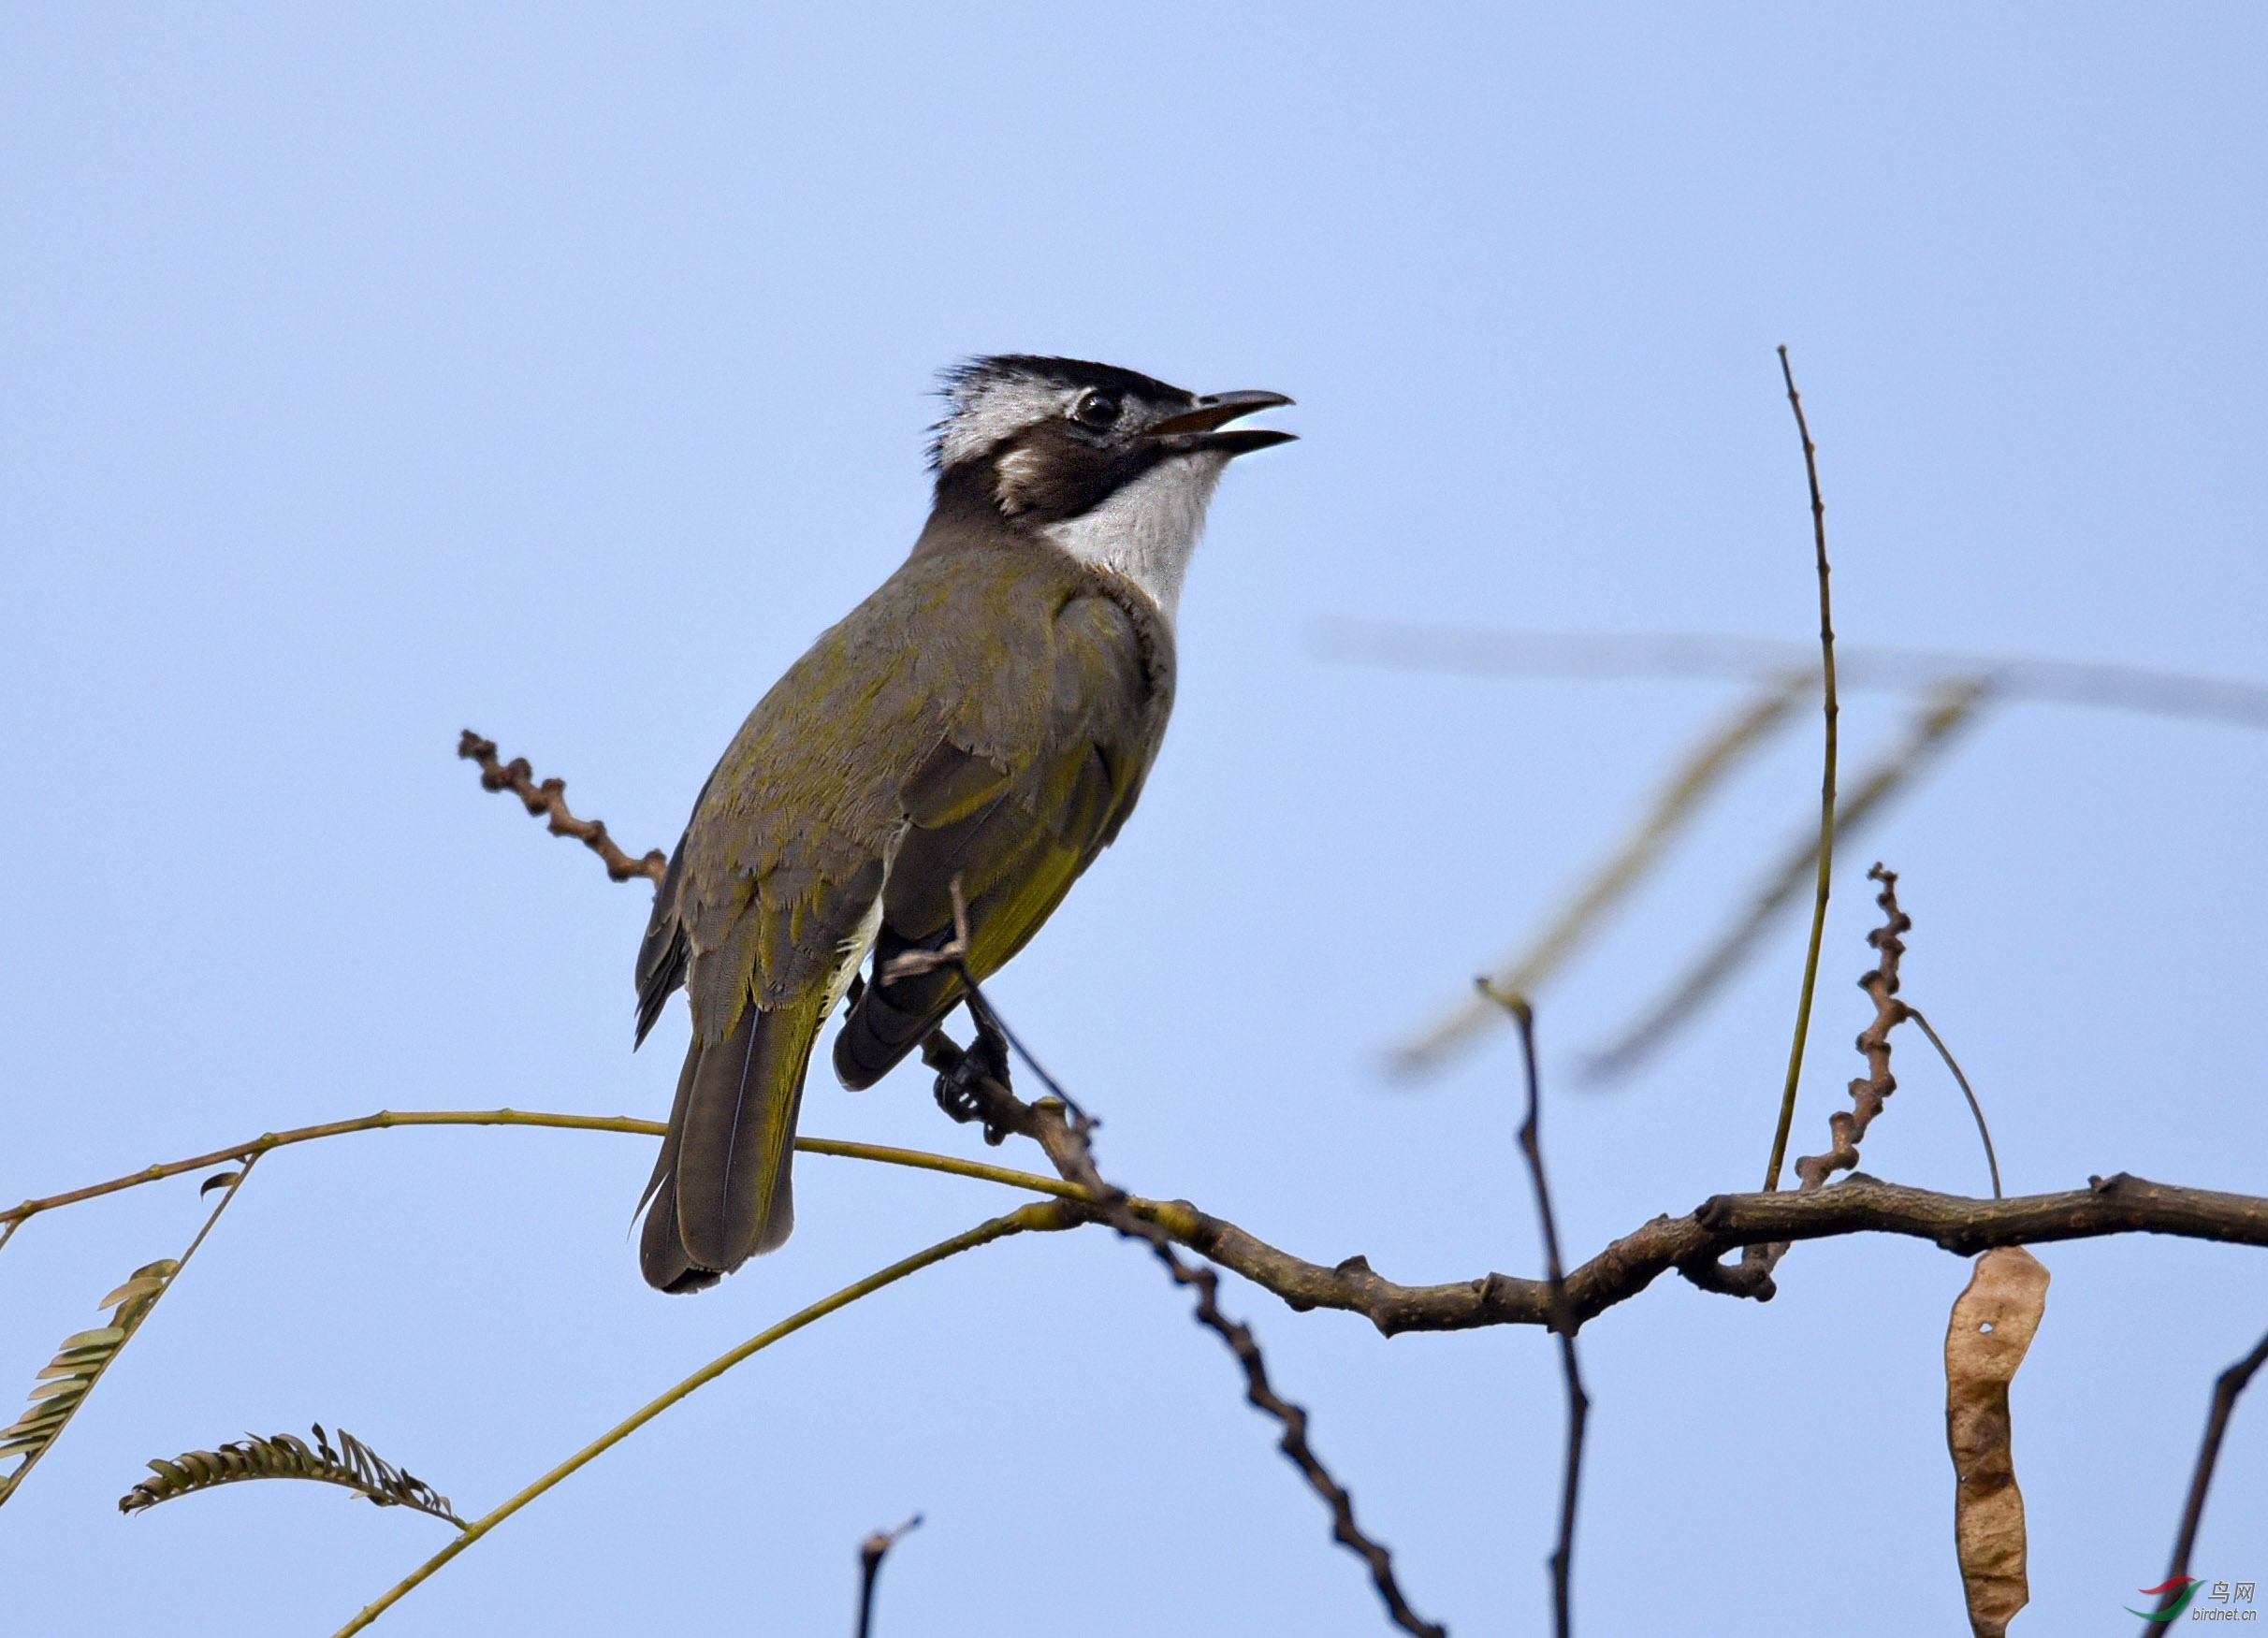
(1953, 692)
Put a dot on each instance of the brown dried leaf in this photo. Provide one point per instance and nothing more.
(1992, 1327)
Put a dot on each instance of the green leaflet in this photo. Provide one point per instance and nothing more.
(353, 1465)
(61, 1388)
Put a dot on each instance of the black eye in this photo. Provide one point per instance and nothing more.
(1097, 409)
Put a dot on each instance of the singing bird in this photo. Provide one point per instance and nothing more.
(981, 723)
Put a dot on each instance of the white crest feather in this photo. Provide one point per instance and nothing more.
(988, 407)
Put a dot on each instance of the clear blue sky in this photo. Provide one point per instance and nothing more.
(560, 371)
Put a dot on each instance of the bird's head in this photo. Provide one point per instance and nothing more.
(1051, 439)
(1113, 466)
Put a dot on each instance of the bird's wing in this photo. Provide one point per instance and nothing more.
(762, 907)
(665, 950)
(980, 717)
(1012, 825)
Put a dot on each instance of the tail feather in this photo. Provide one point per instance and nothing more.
(662, 1255)
(721, 1191)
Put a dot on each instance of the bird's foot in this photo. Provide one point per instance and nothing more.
(977, 1087)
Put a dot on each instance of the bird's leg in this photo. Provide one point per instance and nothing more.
(977, 1087)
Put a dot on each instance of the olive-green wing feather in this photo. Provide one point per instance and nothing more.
(759, 913)
(988, 715)
(1015, 839)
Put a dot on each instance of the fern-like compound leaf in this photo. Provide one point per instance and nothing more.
(352, 1465)
(61, 1388)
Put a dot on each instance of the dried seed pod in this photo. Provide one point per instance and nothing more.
(1992, 1327)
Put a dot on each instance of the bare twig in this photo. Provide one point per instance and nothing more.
(2118, 1205)
(1294, 1442)
(1562, 1319)
(871, 1553)
(1992, 1161)
(385, 1119)
(1827, 788)
(2226, 1387)
(1871, 1091)
(551, 798)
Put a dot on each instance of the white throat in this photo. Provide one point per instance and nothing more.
(1148, 529)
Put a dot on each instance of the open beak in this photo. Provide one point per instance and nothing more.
(1200, 427)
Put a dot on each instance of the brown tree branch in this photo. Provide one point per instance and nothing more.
(551, 798)
(1724, 1222)
(1857, 1204)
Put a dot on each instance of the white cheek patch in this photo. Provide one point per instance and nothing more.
(987, 412)
(1148, 530)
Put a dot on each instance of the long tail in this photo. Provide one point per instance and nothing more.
(723, 1191)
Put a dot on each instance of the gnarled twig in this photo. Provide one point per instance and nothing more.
(1869, 1091)
(551, 798)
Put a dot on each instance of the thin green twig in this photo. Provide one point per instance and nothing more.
(1827, 789)
(14, 1482)
(1036, 1216)
(247, 1151)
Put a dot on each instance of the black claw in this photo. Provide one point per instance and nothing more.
(961, 1091)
